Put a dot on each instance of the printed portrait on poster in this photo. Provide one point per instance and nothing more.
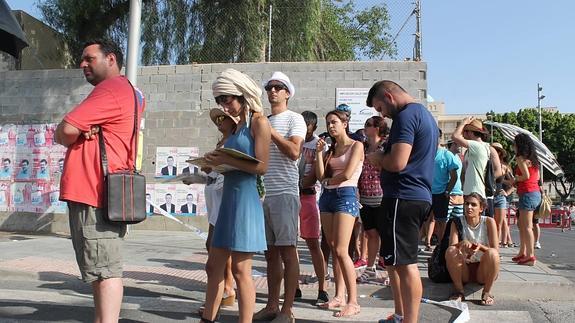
(166, 164)
(7, 155)
(23, 169)
(187, 153)
(41, 164)
(150, 196)
(166, 197)
(187, 199)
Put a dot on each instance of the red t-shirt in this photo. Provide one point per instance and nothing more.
(111, 106)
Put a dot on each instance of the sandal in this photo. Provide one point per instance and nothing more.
(457, 296)
(348, 310)
(333, 303)
(487, 299)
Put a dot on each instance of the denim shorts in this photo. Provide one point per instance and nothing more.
(500, 201)
(529, 201)
(340, 200)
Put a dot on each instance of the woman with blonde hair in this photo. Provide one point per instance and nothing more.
(239, 230)
(339, 170)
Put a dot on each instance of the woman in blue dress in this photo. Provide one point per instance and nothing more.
(239, 230)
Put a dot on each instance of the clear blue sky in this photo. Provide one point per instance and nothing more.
(490, 55)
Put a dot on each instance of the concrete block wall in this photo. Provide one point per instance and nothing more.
(180, 97)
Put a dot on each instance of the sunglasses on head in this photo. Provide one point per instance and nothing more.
(224, 99)
(277, 87)
(220, 119)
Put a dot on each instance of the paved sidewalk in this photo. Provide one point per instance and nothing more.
(164, 274)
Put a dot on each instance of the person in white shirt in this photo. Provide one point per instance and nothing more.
(281, 203)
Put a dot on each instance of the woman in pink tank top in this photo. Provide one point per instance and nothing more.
(339, 170)
(526, 180)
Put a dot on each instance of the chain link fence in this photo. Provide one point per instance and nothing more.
(229, 31)
(181, 32)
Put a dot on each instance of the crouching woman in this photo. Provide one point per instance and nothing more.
(476, 257)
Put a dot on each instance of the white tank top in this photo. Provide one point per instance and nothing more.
(477, 234)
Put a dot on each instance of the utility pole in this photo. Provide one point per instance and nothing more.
(539, 98)
(270, 36)
(417, 46)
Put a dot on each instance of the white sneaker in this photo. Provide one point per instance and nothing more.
(537, 245)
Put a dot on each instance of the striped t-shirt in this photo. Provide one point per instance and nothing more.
(283, 176)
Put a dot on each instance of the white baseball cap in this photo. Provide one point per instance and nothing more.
(281, 77)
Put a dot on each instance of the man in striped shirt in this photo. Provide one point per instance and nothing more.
(281, 204)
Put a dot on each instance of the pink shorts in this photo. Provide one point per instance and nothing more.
(309, 217)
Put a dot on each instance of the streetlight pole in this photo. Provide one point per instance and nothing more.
(539, 98)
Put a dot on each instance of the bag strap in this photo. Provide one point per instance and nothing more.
(103, 156)
(459, 227)
(477, 170)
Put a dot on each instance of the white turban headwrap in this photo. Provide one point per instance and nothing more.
(232, 82)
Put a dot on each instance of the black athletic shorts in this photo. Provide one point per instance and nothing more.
(399, 230)
(369, 216)
(439, 205)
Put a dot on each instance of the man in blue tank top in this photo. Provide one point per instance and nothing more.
(406, 176)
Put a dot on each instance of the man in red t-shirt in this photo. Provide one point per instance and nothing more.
(108, 109)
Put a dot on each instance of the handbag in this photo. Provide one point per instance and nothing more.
(544, 209)
(436, 265)
(125, 189)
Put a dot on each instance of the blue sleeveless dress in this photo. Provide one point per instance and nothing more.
(240, 224)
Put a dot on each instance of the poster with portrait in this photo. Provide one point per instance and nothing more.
(21, 197)
(166, 161)
(43, 134)
(150, 196)
(30, 168)
(52, 194)
(190, 199)
(23, 165)
(8, 135)
(7, 155)
(41, 170)
(187, 153)
(165, 197)
(355, 98)
(24, 136)
(4, 196)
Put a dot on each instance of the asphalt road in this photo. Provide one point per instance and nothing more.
(558, 250)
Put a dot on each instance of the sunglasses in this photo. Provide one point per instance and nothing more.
(220, 119)
(277, 87)
(224, 99)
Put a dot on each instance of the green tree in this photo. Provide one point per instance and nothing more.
(557, 136)
(206, 31)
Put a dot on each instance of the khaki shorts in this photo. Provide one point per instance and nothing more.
(96, 242)
(281, 214)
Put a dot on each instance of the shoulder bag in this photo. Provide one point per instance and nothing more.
(436, 265)
(126, 189)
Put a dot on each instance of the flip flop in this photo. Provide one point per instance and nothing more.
(487, 299)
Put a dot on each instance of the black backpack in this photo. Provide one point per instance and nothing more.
(488, 177)
(436, 265)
